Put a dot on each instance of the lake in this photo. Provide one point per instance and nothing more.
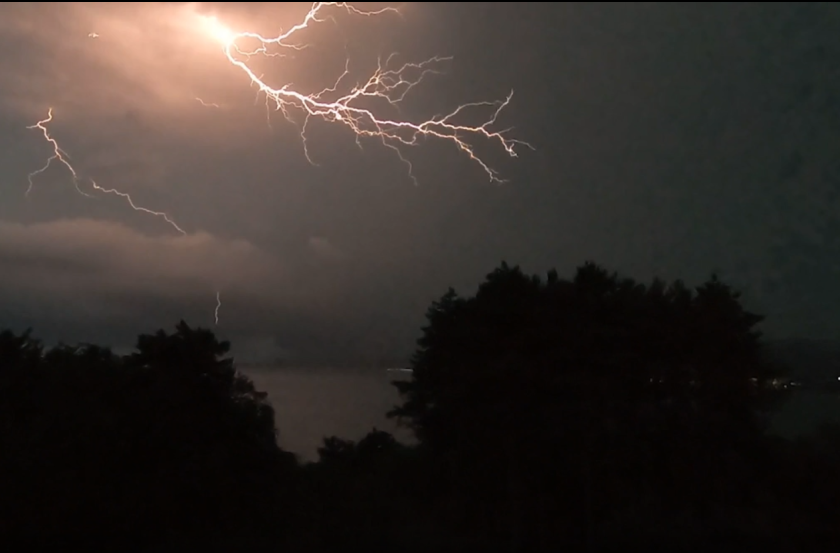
(313, 403)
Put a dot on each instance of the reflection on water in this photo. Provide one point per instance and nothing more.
(806, 410)
(313, 403)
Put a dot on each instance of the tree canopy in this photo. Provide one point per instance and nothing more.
(590, 413)
(171, 436)
(596, 376)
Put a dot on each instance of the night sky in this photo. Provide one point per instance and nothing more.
(673, 139)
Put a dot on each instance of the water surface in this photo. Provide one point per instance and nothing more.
(313, 403)
(805, 411)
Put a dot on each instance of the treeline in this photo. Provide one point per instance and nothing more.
(590, 413)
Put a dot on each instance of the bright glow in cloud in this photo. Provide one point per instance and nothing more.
(217, 30)
(389, 84)
(122, 88)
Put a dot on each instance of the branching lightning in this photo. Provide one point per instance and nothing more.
(390, 83)
(387, 83)
(60, 156)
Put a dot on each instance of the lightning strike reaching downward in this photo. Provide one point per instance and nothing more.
(388, 83)
(62, 157)
(218, 307)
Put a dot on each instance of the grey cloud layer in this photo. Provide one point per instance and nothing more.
(48, 262)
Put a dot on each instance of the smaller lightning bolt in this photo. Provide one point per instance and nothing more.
(218, 307)
(207, 104)
(59, 155)
(62, 157)
(93, 35)
(136, 207)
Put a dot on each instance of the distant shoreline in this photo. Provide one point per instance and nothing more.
(355, 368)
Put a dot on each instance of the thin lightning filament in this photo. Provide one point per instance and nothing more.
(218, 307)
(60, 156)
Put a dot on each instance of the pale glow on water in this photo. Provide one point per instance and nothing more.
(805, 411)
(313, 403)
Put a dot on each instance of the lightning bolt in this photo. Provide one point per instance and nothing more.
(218, 307)
(60, 156)
(390, 83)
(207, 104)
(136, 207)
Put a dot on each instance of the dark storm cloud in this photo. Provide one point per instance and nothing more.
(674, 138)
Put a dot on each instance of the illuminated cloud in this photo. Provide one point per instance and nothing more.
(658, 154)
(93, 280)
(129, 87)
(95, 265)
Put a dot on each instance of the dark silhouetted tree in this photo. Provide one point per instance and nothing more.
(369, 491)
(565, 399)
(594, 409)
(168, 441)
(19, 352)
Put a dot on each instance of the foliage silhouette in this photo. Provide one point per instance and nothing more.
(165, 441)
(570, 399)
(591, 413)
